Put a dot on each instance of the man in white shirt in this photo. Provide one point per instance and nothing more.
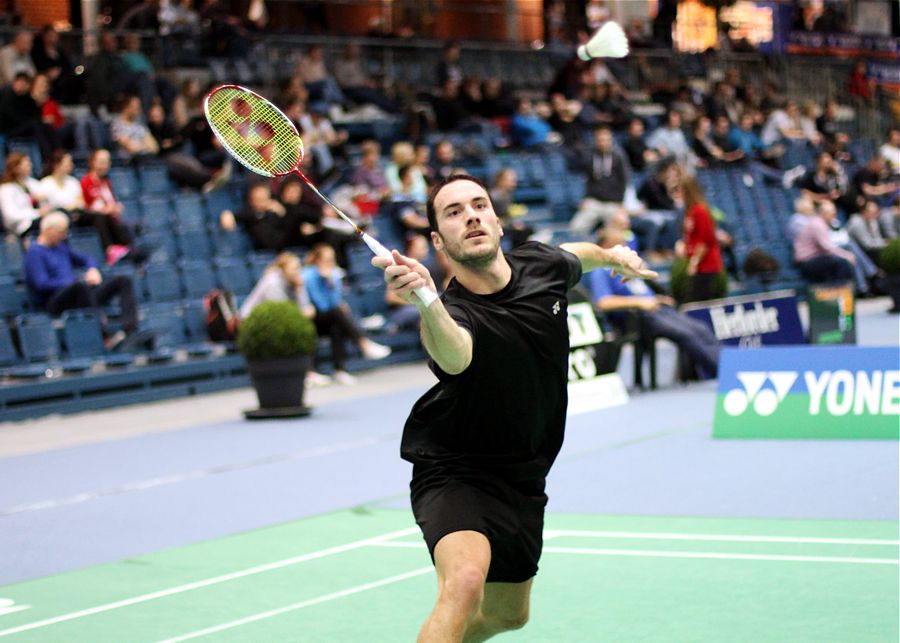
(16, 58)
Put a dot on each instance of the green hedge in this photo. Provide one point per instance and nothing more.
(274, 330)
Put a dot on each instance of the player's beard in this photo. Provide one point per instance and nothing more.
(478, 257)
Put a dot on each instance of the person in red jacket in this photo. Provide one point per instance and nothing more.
(702, 247)
(102, 210)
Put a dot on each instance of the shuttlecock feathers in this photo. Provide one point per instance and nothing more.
(609, 42)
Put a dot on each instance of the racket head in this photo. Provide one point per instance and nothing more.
(255, 132)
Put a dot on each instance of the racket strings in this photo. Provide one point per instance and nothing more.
(254, 131)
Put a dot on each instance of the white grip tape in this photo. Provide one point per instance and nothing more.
(427, 296)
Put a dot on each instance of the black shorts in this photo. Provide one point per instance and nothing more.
(511, 518)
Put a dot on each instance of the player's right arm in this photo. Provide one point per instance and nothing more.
(447, 343)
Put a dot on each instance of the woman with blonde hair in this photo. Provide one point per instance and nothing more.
(403, 154)
(332, 316)
(701, 245)
(20, 197)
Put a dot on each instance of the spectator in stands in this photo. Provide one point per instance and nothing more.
(564, 121)
(368, 175)
(639, 154)
(403, 154)
(527, 129)
(21, 116)
(319, 83)
(783, 125)
(324, 283)
(744, 138)
(890, 151)
(144, 79)
(658, 317)
(423, 163)
(310, 222)
(829, 127)
(51, 59)
(61, 190)
(607, 178)
(510, 213)
(50, 274)
(188, 103)
(809, 112)
(818, 258)
(701, 243)
(405, 205)
(471, 97)
(448, 68)
(106, 73)
(859, 85)
(890, 220)
(804, 210)
(872, 181)
(102, 210)
(826, 182)
(496, 103)
(864, 228)
(15, 58)
(20, 197)
(356, 84)
(662, 190)
(449, 111)
(132, 137)
(709, 153)
(82, 132)
(444, 162)
(263, 218)
(669, 141)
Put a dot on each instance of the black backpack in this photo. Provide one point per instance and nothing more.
(221, 315)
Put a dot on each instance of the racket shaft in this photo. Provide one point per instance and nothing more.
(424, 294)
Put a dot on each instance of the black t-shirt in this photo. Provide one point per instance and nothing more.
(506, 413)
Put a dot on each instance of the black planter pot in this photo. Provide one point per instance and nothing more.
(892, 282)
(279, 385)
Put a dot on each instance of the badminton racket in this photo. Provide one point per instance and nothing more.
(265, 141)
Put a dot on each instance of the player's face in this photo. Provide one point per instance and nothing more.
(468, 228)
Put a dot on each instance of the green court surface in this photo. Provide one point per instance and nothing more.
(364, 576)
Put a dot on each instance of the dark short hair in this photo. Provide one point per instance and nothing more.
(429, 205)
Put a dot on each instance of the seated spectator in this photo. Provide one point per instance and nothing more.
(369, 176)
(783, 125)
(661, 191)
(311, 222)
(818, 257)
(81, 132)
(263, 218)
(865, 229)
(527, 129)
(639, 154)
(449, 111)
(658, 317)
(607, 178)
(53, 61)
(403, 154)
(20, 197)
(102, 210)
(859, 85)
(670, 142)
(326, 142)
(448, 68)
(145, 81)
(809, 112)
(59, 188)
(444, 162)
(50, 274)
(804, 210)
(423, 163)
(827, 182)
(890, 151)
(496, 103)
(319, 83)
(873, 182)
(21, 116)
(404, 315)
(356, 84)
(188, 103)
(565, 122)
(131, 136)
(404, 206)
(324, 283)
(828, 126)
(709, 152)
(106, 75)
(510, 213)
(15, 58)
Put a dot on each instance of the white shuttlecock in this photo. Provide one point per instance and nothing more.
(609, 42)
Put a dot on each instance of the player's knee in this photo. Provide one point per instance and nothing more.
(507, 621)
(465, 585)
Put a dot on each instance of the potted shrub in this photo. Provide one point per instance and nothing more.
(890, 263)
(278, 343)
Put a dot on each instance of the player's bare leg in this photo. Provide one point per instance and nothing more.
(503, 608)
(461, 560)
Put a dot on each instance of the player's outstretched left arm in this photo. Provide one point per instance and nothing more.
(622, 260)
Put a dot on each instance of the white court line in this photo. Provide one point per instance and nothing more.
(211, 581)
(639, 535)
(302, 604)
(646, 553)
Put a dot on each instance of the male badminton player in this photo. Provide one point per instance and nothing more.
(483, 439)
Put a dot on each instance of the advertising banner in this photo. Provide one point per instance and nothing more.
(843, 44)
(809, 392)
(588, 389)
(752, 320)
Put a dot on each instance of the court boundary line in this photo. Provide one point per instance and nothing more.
(302, 604)
(641, 535)
(651, 553)
(179, 589)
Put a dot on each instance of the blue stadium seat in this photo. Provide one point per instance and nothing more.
(39, 343)
(124, 183)
(162, 244)
(233, 275)
(13, 299)
(83, 338)
(197, 277)
(217, 201)
(259, 261)
(193, 243)
(156, 213)
(87, 242)
(131, 211)
(235, 243)
(155, 180)
(161, 280)
(11, 256)
(189, 211)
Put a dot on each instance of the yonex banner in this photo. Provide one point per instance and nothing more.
(809, 392)
(752, 320)
(589, 390)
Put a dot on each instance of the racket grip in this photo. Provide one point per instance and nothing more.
(426, 295)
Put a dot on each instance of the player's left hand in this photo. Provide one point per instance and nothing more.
(625, 262)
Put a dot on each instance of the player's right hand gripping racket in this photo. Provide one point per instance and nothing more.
(265, 141)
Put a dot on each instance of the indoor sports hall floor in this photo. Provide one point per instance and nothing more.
(179, 521)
